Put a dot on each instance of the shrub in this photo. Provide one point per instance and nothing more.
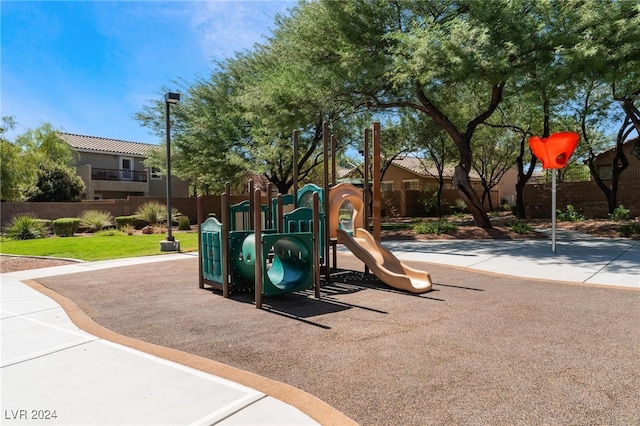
(128, 229)
(26, 227)
(620, 214)
(184, 224)
(429, 199)
(46, 223)
(459, 207)
(96, 220)
(124, 221)
(629, 229)
(156, 229)
(55, 182)
(439, 227)
(132, 220)
(151, 212)
(520, 227)
(155, 213)
(66, 226)
(570, 214)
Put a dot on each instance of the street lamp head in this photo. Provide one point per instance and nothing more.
(172, 98)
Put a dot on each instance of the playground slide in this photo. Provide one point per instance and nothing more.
(384, 264)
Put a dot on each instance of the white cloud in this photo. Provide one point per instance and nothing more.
(226, 27)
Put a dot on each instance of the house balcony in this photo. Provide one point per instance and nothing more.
(118, 175)
(113, 183)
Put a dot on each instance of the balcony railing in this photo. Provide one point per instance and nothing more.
(118, 175)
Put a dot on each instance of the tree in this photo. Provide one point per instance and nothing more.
(204, 134)
(276, 96)
(430, 145)
(494, 154)
(433, 57)
(10, 167)
(240, 121)
(596, 108)
(44, 144)
(607, 59)
(56, 182)
(31, 151)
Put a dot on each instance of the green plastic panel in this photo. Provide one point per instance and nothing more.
(305, 196)
(242, 258)
(301, 220)
(212, 258)
(292, 267)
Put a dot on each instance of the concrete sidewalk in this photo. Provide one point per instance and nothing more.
(579, 258)
(51, 367)
(55, 373)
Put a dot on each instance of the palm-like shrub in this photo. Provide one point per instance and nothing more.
(26, 227)
(155, 213)
(96, 220)
(152, 212)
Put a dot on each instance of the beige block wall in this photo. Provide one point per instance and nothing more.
(585, 196)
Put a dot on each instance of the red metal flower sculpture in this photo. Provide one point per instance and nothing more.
(554, 151)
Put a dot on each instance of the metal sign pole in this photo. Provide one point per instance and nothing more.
(553, 210)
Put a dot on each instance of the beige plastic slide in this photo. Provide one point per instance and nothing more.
(383, 263)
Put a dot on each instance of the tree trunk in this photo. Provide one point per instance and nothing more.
(523, 178)
(439, 196)
(520, 211)
(470, 197)
(283, 187)
(636, 149)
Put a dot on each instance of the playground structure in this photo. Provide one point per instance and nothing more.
(259, 246)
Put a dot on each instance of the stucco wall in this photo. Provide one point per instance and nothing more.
(585, 196)
(124, 207)
(631, 172)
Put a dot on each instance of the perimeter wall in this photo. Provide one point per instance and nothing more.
(187, 206)
(584, 196)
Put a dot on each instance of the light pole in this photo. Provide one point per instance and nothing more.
(170, 244)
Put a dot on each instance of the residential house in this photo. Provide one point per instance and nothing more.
(406, 178)
(604, 160)
(115, 169)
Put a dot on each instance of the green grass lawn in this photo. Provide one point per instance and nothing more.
(97, 247)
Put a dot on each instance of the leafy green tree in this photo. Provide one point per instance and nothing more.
(30, 152)
(449, 61)
(606, 62)
(11, 178)
(205, 132)
(494, 153)
(431, 146)
(56, 182)
(41, 148)
(276, 96)
(43, 144)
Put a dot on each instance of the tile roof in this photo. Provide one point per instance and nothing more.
(105, 145)
(612, 149)
(415, 165)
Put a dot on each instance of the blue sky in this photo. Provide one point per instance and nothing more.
(87, 67)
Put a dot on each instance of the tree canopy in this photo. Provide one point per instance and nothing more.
(477, 72)
(24, 159)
